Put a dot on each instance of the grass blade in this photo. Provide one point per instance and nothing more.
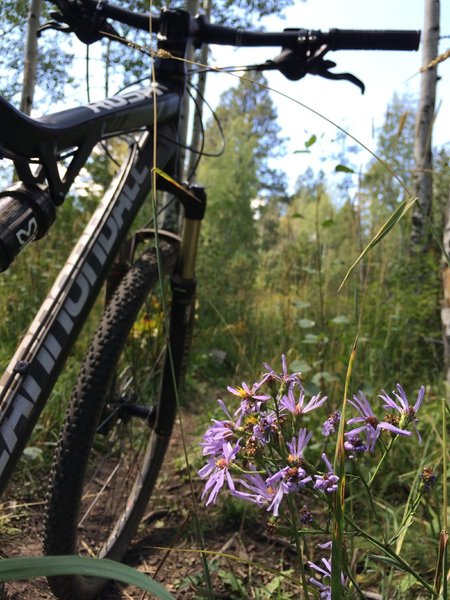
(395, 217)
(440, 578)
(48, 566)
(338, 505)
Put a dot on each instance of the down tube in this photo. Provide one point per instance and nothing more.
(31, 374)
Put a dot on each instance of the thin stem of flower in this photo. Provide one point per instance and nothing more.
(298, 544)
(358, 590)
(238, 469)
(407, 519)
(442, 568)
(372, 505)
(385, 453)
(337, 548)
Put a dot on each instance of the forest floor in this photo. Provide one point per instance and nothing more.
(228, 528)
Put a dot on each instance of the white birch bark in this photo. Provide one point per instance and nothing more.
(424, 124)
(29, 73)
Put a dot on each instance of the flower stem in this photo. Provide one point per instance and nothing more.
(298, 545)
(386, 452)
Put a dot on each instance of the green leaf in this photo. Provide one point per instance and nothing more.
(301, 152)
(301, 304)
(398, 214)
(230, 579)
(312, 140)
(32, 453)
(311, 338)
(48, 566)
(297, 216)
(324, 376)
(300, 366)
(309, 270)
(311, 388)
(306, 323)
(340, 320)
(367, 388)
(175, 183)
(343, 169)
(328, 223)
(389, 561)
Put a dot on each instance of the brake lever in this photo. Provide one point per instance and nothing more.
(89, 27)
(54, 24)
(347, 76)
(294, 66)
(316, 65)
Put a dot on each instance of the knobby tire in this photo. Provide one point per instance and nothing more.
(91, 466)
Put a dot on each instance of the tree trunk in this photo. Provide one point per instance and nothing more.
(424, 125)
(29, 74)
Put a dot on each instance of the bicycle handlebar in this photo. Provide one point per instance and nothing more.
(88, 12)
(335, 39)
(354, 39)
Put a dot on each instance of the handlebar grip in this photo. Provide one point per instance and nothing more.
(26, 214)
(353, 39)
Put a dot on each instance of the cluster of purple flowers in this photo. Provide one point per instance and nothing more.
(324, 572)
(249, 450)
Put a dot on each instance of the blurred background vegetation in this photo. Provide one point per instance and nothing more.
(271, 261)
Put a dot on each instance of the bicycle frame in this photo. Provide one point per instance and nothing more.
(40, 357)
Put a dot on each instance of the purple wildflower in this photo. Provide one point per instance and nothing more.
(265, 426)
(325, 571)
(297, 407)
(220, 432)
(250, 400)
(323, 585)
(428, 478)
(371, 425)
(284, 378)
(325, 545)
(217, 469)
(328, 481)
(331, 425)
(407, 412)
(306, 516)
(294, 477)
(354, 444)
(261, 492)
(297, 446)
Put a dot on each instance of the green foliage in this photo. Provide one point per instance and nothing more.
(283, 296)
(230, 235)
(245, 13)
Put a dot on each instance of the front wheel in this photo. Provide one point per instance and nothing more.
(117, 427)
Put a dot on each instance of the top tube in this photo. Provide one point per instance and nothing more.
(23, 137)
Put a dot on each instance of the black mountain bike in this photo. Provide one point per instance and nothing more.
(123, 407)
